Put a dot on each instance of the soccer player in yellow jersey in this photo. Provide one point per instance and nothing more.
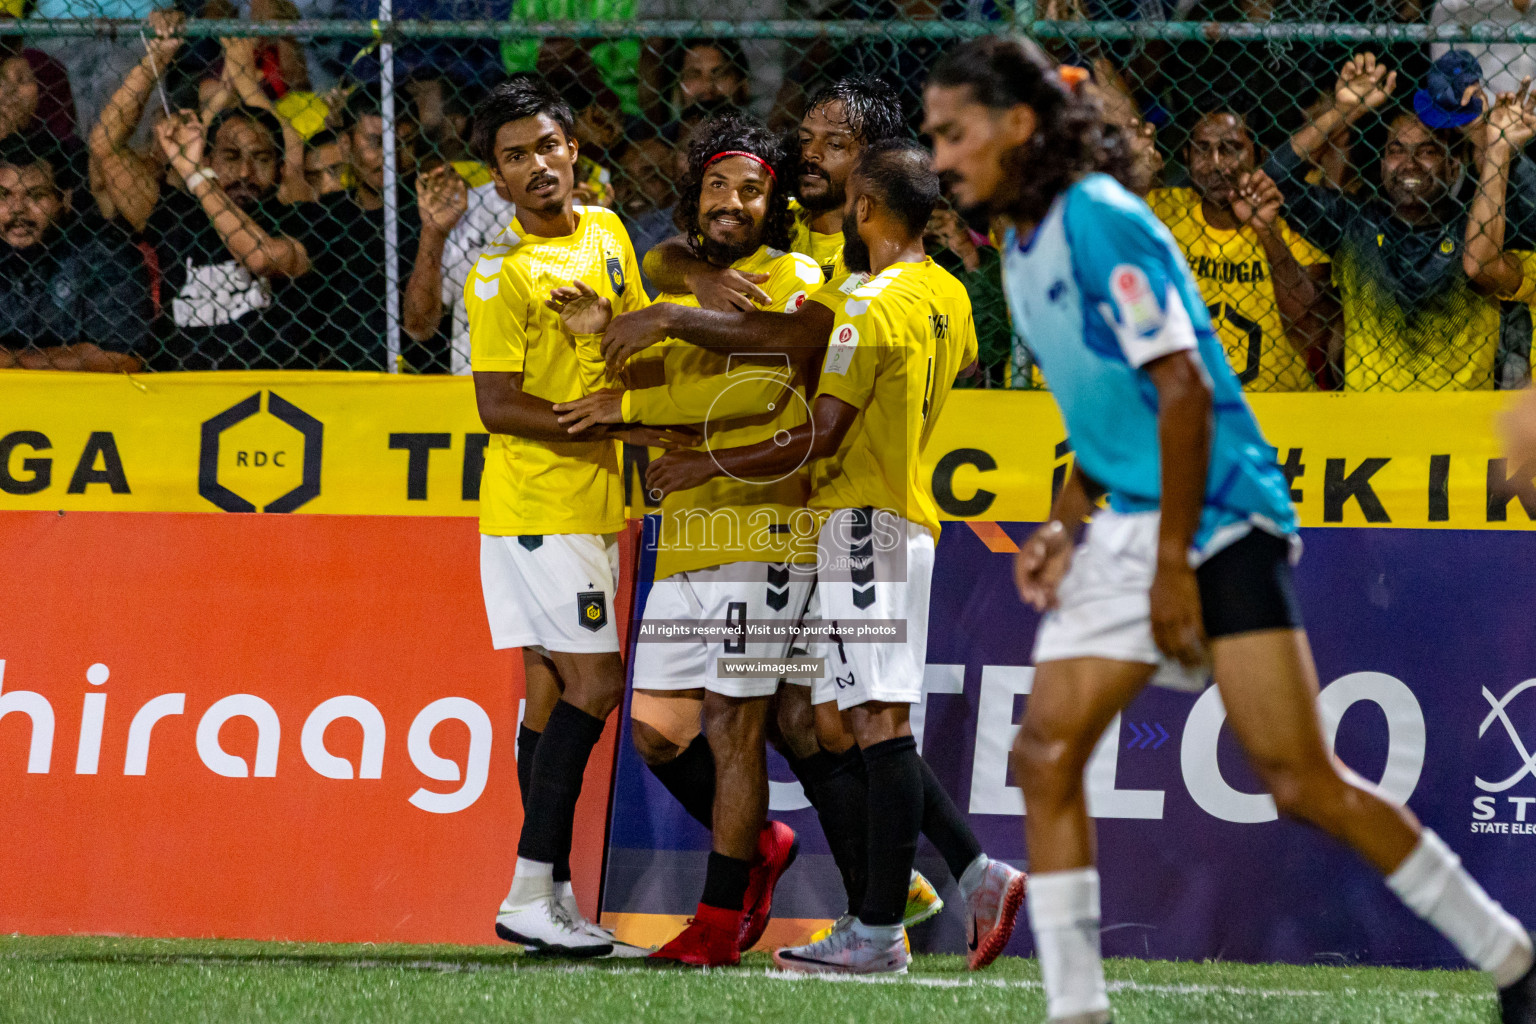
(550, 503)
(842, 120)
(1262, 281)
(733, 553)
(897, 344)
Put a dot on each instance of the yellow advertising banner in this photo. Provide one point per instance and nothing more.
(376, 444)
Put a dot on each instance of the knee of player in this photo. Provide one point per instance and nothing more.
(793, 728)
(651, 745)
(733, 720)
(1043, 760)
(1308, 788)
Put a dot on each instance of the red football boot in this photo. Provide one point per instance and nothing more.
(708, 941)
(777, 849)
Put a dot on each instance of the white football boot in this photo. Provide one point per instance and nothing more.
(846, 951)
(566, 897)
(543, 926)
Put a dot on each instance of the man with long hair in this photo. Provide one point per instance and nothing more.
(1187, 573)
(728, 554)
(898, 341)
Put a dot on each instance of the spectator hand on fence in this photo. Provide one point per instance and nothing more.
(947, 229)
(1257, 201)
(1364, 84)
(1512, 119)
(181, 140)
(442, 197)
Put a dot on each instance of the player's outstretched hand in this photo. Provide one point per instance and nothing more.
(724, 289)
(631, 333)
(606, 406)
(583, 310)
(1041, 564)
(1177, 625)
(679, 471)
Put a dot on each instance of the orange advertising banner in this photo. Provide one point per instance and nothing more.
(273, 727)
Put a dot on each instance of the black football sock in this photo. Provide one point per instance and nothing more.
(555, 784)
(690, 776)
(835, 785)
(895, 819)
(527, 748)
(944, 825)
(725, 882)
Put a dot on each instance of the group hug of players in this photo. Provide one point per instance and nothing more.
(794, 370)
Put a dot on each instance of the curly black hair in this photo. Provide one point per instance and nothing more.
(1070, 139)
(726, 133)
(871, 107)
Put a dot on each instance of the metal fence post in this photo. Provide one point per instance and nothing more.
(391, 207)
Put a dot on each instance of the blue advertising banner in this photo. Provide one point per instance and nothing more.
(1424, 645)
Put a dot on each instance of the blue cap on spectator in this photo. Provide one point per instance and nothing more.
(1438, 104)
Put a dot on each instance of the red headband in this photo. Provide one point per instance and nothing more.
(740, 152)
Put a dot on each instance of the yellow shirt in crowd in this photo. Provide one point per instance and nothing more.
(897, 344)
(538, 487)
(826, 250)
(738, 403)
(1452, 344)
(1235, 278)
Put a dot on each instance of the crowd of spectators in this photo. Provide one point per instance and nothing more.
(169, 203)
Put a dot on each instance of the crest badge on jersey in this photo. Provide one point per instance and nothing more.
(616, 274)
(1135, 303)
(592, 610)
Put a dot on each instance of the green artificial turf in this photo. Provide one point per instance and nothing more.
(115, 981)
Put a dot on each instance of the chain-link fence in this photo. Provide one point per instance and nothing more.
(219, 191)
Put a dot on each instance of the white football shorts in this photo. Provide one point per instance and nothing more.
(551, 592)
(876, 568)
(741, 592)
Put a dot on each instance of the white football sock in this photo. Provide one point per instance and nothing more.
(531, 880)
(1064, 915)
(1434, 885)
(973, 874)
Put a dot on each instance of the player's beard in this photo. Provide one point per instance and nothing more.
(855, 252)
(724, 254)
(831, 199)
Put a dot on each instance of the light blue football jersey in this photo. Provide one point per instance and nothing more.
(1099, 291)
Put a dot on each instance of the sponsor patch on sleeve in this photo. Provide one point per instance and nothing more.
(1135, 302)
(795, 302)
(840, 349)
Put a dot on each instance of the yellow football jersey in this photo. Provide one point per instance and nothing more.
(738, 403)
(1454, 347)
(826, 250)
(834, 292)
(898, 343)
(536, 487)
(1234, 276)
